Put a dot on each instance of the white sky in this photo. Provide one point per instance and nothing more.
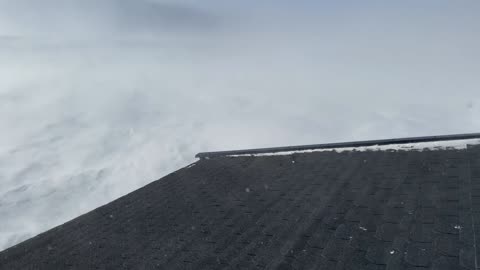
(98, 98)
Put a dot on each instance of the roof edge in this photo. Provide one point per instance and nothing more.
(451, 137)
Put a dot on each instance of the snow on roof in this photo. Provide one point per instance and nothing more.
(434, 145)
(457, 141)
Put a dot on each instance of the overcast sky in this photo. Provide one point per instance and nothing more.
(98, 98)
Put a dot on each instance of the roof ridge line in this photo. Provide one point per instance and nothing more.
(406, 140)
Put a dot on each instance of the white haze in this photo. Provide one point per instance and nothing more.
(98, 98)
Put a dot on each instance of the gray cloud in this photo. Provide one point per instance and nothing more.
(89, 18)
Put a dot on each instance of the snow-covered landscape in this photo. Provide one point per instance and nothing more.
(98, 98)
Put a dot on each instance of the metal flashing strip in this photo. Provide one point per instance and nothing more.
(437, 138)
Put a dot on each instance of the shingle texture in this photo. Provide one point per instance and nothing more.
(323, 210)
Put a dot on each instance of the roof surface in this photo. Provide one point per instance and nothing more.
(319, 210)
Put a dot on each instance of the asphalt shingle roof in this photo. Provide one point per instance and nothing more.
(322, 210)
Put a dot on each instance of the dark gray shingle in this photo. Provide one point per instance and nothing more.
(327, 210)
